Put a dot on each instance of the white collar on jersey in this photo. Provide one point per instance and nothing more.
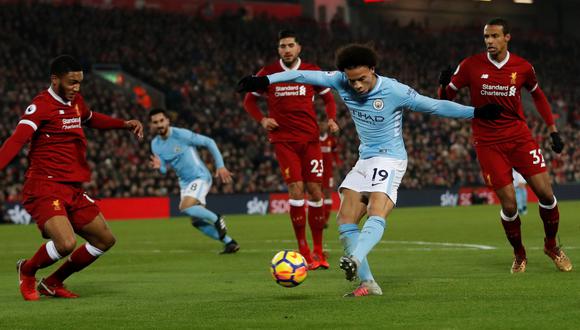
(377, 84)
(295, 67)
(323, 136)
(499, 65)
(57, 97)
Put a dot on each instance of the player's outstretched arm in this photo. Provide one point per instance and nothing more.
(450, 109)
(14, 143)
(101, 121)
(224, 175)
(318, 78)
(136, 128)
(209, 143)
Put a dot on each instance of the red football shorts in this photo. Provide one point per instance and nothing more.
(497, 161)
(45, 199)
(299, 161)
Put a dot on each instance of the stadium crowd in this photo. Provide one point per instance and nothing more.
(197, 63)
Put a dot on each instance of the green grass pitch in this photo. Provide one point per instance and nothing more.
(440, 268)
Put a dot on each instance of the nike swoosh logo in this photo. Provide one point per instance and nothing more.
(44, 286)
(376, 184)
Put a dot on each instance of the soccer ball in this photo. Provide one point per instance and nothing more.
(289, 268)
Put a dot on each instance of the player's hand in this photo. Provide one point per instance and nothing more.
(557, 143)
(154, 162)
(136, 127)
(269, 124)
(445, 76)
(224, 175)
(489, 111)
(252, 84)
(332, 126)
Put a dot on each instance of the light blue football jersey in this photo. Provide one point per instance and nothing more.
(378, 114)
(179, 150)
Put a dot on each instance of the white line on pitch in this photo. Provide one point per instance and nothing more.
(448, 244)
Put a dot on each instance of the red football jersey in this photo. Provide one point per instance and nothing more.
(292, 105)
(499, 83)
(329, 153)
(58, 146)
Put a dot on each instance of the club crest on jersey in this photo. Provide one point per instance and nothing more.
(514, 76)
(378, 104)
(31, 109)
(56, 205)
(177, 149)
(77, 110)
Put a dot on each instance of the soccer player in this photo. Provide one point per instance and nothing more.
(328, 146)
(520, 186)
(376, 104)
(498, 76)
(52, 192)
(293, 130)
(178, 147)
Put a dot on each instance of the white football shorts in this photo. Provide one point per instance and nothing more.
(197, 189)
(376, 174)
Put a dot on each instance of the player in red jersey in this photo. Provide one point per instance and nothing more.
(497, 76)
(329, 149)
(52, 192)
(293, 130)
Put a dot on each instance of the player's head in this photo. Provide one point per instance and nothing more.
(288, 47)
(66, 75)
(358, 62)
(159, 121)
(496, 35)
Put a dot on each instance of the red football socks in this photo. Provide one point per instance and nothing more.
(41, 259)
(514, 235)
(551, 220)
(316, 221)
(298, 217)
(77, 261)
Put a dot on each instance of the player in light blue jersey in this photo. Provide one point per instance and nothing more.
(177, 147)
(520, 186)
(376, 105)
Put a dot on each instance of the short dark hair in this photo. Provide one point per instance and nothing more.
(156, 111)
(355, 55)
(500, 21)
(64, 64)
(286, 33)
